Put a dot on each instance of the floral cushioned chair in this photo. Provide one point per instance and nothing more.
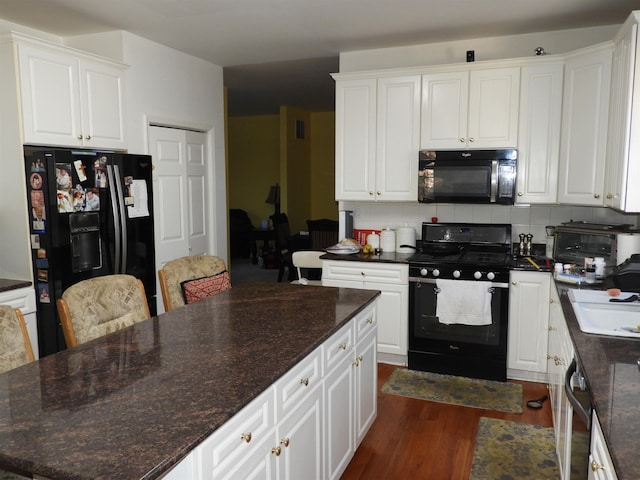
(192, 278)
(97, 306)
(15, 347)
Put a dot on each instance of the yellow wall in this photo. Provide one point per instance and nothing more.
(254, 163)
(263, 150)
(323, 203)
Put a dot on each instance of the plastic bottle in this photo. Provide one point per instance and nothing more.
(373, 239)
(600, 265)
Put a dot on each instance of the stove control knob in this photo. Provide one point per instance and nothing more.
(456, 274)
(477, 275)
(424, 272)
(491, 276)
(436, 272)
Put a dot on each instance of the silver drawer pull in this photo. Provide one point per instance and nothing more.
(304, 381)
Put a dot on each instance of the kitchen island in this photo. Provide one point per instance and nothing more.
(132, 404)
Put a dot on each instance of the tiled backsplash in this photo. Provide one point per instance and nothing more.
(524, 219)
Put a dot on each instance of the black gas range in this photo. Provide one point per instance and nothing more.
(459, 300)
(463, 251)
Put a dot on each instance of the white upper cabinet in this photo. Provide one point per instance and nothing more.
(355, 139)
(584, 126)
(377, 135)
(69, 99)
(470, 109)
(539, 133)
(623, 146)
(398, 137)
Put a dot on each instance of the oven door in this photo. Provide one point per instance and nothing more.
(469, 348)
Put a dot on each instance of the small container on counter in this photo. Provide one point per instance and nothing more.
(387, 240)
(373, 239)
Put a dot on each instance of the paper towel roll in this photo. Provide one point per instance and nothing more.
(627, 245)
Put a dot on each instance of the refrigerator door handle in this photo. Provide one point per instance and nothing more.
(116, 218)
(123, 219)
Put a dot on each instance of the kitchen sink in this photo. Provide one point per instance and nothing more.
(596, 314)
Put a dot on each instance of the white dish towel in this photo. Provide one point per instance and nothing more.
(466, 303)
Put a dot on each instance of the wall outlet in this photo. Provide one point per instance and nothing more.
(471, 55)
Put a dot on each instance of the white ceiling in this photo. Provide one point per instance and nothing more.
(267, 43)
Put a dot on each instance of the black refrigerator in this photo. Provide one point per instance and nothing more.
(90, 214)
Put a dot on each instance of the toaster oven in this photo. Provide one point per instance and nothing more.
(575, 241)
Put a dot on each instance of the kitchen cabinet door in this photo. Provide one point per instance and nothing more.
(398, 138)
(599, 457)
(539, 133)
(493, 108)
(366, 381)
(470, 109)
(528, 325)
(444, 110)
(584, 126)
(299, 439)
(356, 139)
(70, 100)
(623, 144)
(339, 411)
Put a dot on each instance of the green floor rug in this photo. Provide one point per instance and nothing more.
(467, 392)
(514, 451)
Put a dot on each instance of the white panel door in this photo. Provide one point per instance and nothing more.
(180, 196)
(197, 225)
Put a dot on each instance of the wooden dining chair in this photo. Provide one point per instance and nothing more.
(188, 279)
(97, 306)
(15, 346)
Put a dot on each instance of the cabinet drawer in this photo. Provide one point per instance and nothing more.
(295, 385)
(365, 322)
(22, 298)
(366, 272)
(238, 437)
(338, 347)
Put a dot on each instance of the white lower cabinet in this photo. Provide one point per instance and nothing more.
(308, 425)
(528, 325)
(298, 450)
(392, 279)
(600, 464)
(25, 300)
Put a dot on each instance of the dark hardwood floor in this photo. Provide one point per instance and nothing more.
(417, 439)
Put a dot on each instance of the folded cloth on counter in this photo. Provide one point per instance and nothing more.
(466, 303)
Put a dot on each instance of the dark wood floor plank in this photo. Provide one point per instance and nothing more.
(417, 439)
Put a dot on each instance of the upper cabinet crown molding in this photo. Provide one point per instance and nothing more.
(70, 98)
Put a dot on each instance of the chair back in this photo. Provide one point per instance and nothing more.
(322, 233)
(101, 305)
(182, 269)
(305, 260)
(15, 347)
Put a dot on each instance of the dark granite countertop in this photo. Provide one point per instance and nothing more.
(132, 404)
(610, 368)
(7, 284)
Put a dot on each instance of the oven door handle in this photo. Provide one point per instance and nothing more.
(575, 403)
(433, 282)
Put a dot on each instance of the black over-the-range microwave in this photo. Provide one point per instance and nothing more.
(467, 176)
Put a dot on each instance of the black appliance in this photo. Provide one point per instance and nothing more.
(626, 276)
(465, 262)
(575, 387)
(467, 176)
(91, 214)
